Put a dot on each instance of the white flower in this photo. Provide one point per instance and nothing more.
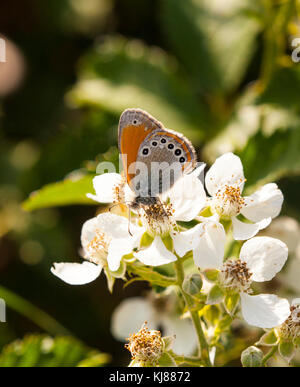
(158, 313)
(225, 182)
(105, 240)
(261, 258)
(290, 329)
(206, 240)
(182, 202)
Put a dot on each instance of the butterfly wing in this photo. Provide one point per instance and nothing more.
(144, 139)
(167, 155)
(134, 126)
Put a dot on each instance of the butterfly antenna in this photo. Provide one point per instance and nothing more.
(129, 220)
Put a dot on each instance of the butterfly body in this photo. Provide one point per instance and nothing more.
(149, 153)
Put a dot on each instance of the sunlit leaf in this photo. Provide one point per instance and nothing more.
(67, 192)
(215, 39)
(120, 74)
(44, 351)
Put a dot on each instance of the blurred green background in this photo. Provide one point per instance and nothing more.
(220, 71)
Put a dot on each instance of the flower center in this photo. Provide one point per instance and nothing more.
(228, 200)
(157, 218)
(145, 346)
(290, 329)
(235, 275)
(97, 249)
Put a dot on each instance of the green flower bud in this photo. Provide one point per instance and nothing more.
(252, 357)
(192, 284)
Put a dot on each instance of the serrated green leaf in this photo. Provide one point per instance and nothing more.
(63, 193)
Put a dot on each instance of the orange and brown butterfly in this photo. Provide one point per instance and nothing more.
(142, 138)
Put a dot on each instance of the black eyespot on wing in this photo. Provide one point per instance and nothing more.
(182, 159)
(163, 140)
(178, 152)
(145, 151)
(171, 146)
(154, 143)
(134, 122)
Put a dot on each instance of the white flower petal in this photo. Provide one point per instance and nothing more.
(187, 197)
(187, 240)
(155, 255)
(88, 231)
(76, 273)
(264, 256)
(227, 169)
(116, 226)
(186, 340)
(209, 252)
(116, 250)
(104, 187)
(130, 315)
(243, 231)
(264, 310)
(264, 203)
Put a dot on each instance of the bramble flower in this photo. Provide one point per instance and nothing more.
(290, 329)
(159, 312)
(105, 240)
(286, 337)
(157, 222)
(261, 258)
(146, 347)
(225, 182)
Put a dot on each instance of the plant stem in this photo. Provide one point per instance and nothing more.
(268, 356)
(195, 361)
(203, 349)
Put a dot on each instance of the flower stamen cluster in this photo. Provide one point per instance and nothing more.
(158, 218)
(97, 249)
(228, 200)
(145, 346)
(290, 329)
(235, 275)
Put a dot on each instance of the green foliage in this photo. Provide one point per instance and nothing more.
(214, 41)
(44, 351)
(69, 191)
(119, 74)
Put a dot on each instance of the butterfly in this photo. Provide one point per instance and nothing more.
(147, 147)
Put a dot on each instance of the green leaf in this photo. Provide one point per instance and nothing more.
(231, 302)
(44, 351)
(119, 74)
(214, 41)
(211, 275)
(286, 350)
(166, 361)
(215, 295)
(148, 274)
(67, 192)
(268, 339)
(277, 156)
(211, 313)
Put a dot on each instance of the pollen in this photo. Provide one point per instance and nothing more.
(158, 218)
(290, 329)
(228, 200)
(235, 275)
(119, 192)
(146, 345)
(97, 248)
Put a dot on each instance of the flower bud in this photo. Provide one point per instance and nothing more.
(192, 284)
(252, 357)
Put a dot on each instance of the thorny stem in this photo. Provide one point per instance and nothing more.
(203, 349)
(268, 356)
